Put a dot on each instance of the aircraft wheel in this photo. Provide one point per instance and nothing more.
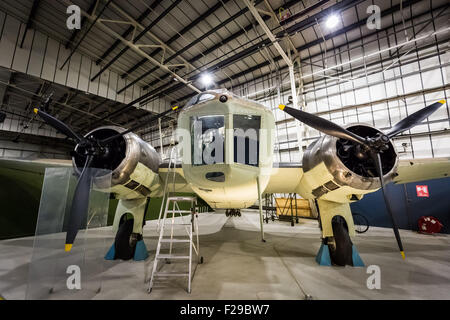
(122, 242)
(227, 213)
(239, 213)
(340, 245)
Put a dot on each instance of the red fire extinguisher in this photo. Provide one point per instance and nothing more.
(429, 225)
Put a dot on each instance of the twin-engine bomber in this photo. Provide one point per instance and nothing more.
(227, 147)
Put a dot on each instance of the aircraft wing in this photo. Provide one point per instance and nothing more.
(30, 166)
(284, 178)
(181, 185)
(422, 169)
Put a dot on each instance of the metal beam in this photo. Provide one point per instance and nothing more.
(64, 107)
(83, 20)
(127, 32)
(229, 20)
(30, 20)
(135, 47)
(310, 21)
(207, 51)
(199, 19)
(137, 38)
(161, 45)
(312, 43)
(85, 34)
(298, 128)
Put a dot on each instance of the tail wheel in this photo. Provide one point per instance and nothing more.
(124, 247)
(340, 244)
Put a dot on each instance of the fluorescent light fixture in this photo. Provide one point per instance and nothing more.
(206, 79)
(332, 21)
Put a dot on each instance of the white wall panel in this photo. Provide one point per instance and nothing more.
(22, 55)
(74, 71)
(61, 74)
(103, 84)
(38, 51)
(42, 57)
(50, 59)
(8, 41)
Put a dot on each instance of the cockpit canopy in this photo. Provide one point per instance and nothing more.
(209, 116)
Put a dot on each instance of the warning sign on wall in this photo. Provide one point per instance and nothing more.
(422, 191)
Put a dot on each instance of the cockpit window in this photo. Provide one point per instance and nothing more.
(207, 140)
(200, 98)
(246, 139)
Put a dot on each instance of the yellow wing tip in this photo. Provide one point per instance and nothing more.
(403, 255)
(175, 108)
(442, 101)
(35, 110)
(68, 247)
(282, 106)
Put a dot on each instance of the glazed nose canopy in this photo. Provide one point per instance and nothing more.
(357, 159)
(113, 154)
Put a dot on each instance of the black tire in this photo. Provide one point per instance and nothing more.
(341, 250)
(122, 243)
(361, 223)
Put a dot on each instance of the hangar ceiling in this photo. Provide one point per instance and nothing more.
(163, 47)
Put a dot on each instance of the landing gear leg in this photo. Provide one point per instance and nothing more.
(337, 228)
(261, 218)
(129, 243)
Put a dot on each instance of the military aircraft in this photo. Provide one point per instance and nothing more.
(227, 148)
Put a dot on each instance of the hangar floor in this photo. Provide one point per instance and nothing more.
(237, 265)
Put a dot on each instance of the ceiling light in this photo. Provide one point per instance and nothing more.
(332, 21)
(206, 79)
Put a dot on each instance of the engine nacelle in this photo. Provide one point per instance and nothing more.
(134, 164)
(339, 170)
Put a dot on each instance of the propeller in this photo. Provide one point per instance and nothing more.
(373, 146)
(323, 125)
(89, 148)
(414, 119)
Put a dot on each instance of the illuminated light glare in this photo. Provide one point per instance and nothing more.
(332, 21)
(206, 79)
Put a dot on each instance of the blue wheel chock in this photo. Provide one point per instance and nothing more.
(111, 254)
(323, 256)
(140, 252)
(357, 261)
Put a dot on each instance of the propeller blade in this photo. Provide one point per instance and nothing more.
(80, 203)
(414, 119)
(57, 124)
(162, 114)
(323, 125)
(378, 165)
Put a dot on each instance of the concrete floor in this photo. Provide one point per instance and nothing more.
(238, 265)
